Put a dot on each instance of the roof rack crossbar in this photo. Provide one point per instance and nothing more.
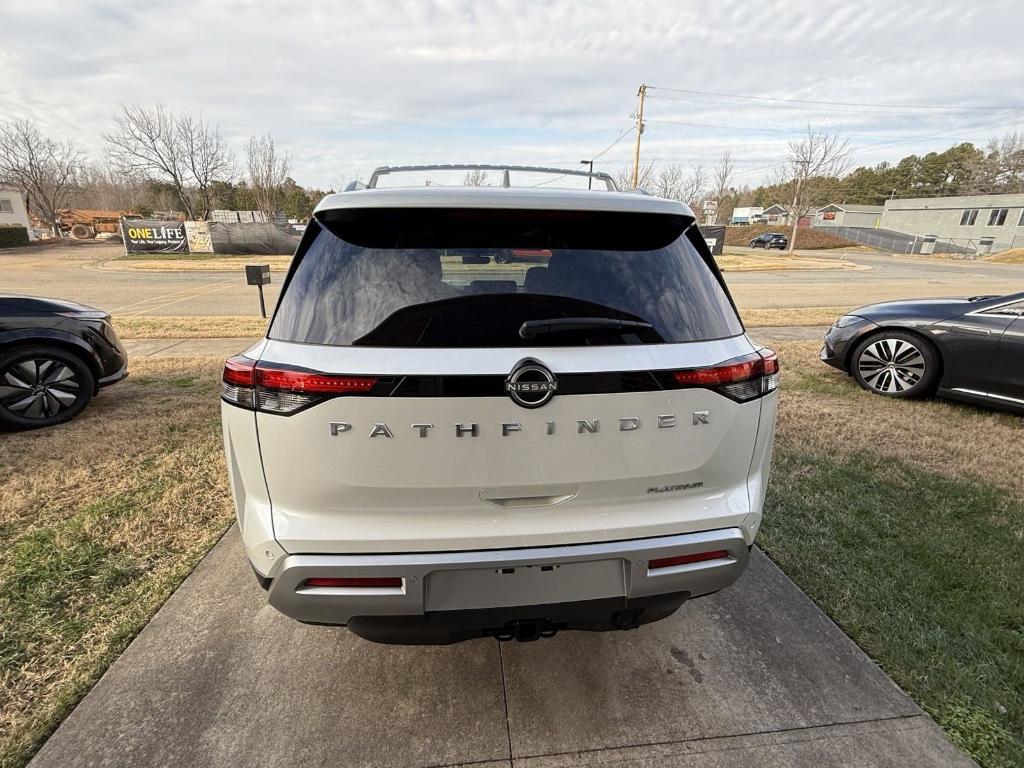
(505, 169)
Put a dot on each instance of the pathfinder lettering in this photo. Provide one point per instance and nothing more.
(510, 428)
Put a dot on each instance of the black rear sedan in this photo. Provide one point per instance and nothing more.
(54, 357)
(770, 240)
(967, 349)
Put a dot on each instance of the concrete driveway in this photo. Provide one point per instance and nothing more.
(755, 675)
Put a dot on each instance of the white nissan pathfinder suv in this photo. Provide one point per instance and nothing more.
(498, 411)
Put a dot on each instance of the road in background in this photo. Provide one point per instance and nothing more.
(86, 273)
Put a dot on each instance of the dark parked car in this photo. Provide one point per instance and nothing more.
(54, 356)
(770, 240)
(967, 349)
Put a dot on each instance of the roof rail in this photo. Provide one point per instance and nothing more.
(386, 169)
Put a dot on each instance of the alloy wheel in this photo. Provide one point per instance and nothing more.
(891, 366)
(38, 388)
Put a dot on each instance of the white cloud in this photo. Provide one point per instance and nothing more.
(345, 86)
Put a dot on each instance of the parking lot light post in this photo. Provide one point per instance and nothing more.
(590, 179)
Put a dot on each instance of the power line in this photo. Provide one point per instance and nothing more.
(619, 138)
(857, 105)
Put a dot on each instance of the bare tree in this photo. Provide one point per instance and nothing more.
(44, 169)
(812, 171)
(646, 177)
(177, 150)
(100, 186)
(475, 178)
(722, 176)
(267, 173)
(694, 186)
(1005, 162)
(208, 159)
(146, 144)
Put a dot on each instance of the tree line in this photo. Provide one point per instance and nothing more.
(963, 169)
(155, 160)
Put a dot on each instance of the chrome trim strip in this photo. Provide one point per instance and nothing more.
(989, 311)
(992, 395)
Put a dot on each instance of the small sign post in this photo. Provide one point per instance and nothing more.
(258, 275)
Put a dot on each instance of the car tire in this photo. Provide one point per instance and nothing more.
(896, 364)
(42, 385)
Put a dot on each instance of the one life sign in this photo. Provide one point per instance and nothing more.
(142, 236)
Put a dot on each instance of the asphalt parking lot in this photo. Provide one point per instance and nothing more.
(87, 273)
(755, 675)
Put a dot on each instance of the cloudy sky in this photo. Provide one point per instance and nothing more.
(347, 85)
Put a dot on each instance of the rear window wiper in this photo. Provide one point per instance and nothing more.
(532, 328)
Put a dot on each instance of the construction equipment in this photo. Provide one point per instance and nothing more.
(86, 223)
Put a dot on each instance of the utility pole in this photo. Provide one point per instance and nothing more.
(639, 132)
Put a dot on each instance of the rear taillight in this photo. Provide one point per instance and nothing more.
(742, 378)
(238, 382)
(272, 389)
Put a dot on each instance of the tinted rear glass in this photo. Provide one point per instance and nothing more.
(472, 278)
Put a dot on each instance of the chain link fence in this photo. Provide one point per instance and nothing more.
(900, 242)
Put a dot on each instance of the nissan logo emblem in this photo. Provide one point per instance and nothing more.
(531, 384)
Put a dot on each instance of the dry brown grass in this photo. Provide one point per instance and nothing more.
(196, 327)
(750, 262)
(775, 318)
(1013, 256)
(101, 519)
(823, 411)
(195, 262)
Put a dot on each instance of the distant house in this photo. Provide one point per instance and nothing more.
(12, 209)
(777, 214)
(847, 215)
(750, 215)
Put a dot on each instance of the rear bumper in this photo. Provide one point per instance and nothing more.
(480, 592)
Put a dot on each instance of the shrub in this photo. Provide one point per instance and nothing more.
(13, 236)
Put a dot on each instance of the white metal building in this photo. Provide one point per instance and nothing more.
(966, 220)
(12, 208)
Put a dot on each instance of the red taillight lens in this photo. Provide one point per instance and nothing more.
(699, 557)
(283, 391)
(312, 382)
(742, 378)
(237, 385)
(239, 371)
(726, 373)
(377, 582)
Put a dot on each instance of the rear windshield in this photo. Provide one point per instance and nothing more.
(486, 278)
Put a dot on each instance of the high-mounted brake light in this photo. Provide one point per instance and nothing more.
(366, 582)
(742, 378)
(283, 390)
(699, 557)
